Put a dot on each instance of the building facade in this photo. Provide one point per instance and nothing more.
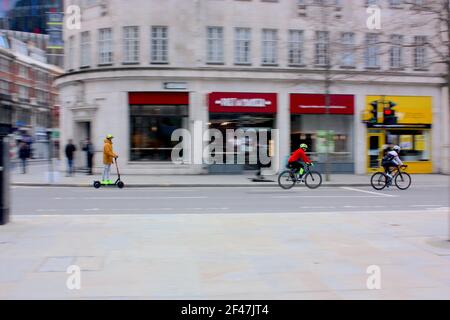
(26, 88)
(142, 69)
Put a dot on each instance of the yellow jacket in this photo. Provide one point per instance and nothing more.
(108, 154)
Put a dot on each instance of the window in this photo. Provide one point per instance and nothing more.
(23, 92)
(322, 48)
(295, 47)
(415, 144)
(85, 49)
(420, 52)
(159, 44)
(326, 2)
(4, 87)
(5, 65)
(214, 45)
(395, 3)
(396, 51)
(151, 128)
(23, 71)
(269, 47)
(372, 51)
(105, 51)
(348, 49)
(131, 44)
(242, 46)
(71, 53)
(41, 96)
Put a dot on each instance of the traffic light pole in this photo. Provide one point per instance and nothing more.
(4, 180)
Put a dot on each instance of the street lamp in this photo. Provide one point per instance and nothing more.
(5, 130)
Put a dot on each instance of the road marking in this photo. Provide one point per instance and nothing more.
(325, 196)
(125, 215)
(317, 207)
(426, 205)
(369, 192)
(126, 198)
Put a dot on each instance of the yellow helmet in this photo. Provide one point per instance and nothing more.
(109, 136)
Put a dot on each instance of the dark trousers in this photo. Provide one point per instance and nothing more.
(69, 167)
(387, 165)
(24, 165)
(295, 165)
(90, 163)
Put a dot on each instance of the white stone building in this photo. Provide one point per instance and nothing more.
(139, 69)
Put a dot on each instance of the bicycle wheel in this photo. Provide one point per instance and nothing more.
(313, 179)
(378, 181)
(286, 179)
(402, 180)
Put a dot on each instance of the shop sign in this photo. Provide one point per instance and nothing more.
(316, 104)
(242, 102)
(398, 111)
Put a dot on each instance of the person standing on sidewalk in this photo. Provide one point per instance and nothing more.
(108, 157)
(89, 148)
(24, 154)
(70, 150)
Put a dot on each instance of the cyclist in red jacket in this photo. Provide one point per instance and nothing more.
(299, 154)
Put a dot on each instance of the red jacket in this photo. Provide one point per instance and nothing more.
(299, 154)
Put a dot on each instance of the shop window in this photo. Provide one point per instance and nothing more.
(151, 128)
(415, 144)
(317, 130)
(250, 147)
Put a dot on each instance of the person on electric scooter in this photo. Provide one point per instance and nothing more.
(294, 159)
(108, 158)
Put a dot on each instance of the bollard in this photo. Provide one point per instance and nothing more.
(4, 180)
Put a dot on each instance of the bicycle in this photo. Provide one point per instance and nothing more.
(381, 180)
(288, 178)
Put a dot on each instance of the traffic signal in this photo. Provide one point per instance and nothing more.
(374, 111)
(389, 113)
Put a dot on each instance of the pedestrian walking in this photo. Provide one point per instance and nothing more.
(70, 150)
(24, 154)
(89, 148)
(108, 157)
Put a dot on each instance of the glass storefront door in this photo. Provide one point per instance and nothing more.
(375, 143)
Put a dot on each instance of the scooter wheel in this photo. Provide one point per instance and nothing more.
(97, 184)
(120, 184)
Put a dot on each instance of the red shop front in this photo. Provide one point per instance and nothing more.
(312, 123)
(242, 110)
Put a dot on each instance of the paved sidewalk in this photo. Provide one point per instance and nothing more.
(39, 176)
(227, 256)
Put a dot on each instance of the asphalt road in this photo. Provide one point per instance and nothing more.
(203, 200)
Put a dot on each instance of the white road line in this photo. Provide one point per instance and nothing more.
(125, 215)
(126, 198)
(426, 205)
(369, 192)
(325, 196)
(317, 207)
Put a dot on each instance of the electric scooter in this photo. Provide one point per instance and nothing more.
(119, 183)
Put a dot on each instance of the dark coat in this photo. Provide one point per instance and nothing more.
(70, 149)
